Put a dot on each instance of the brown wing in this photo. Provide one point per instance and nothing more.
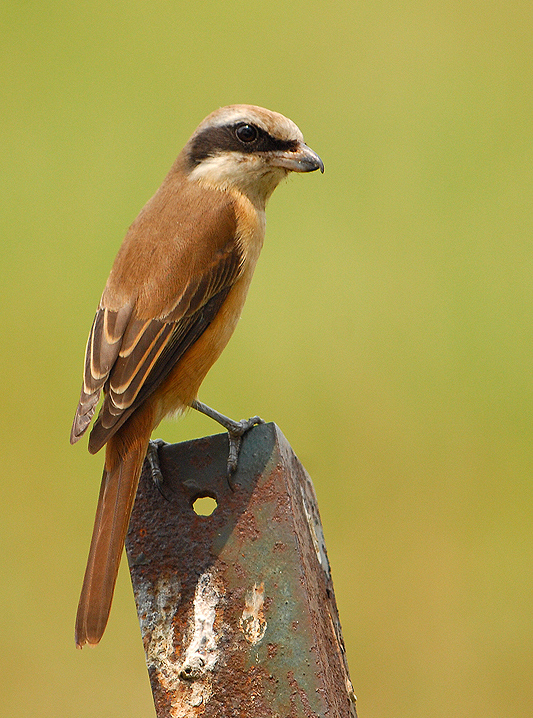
(128, 355)
(103, 347)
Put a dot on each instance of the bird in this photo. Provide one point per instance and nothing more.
(172, 300)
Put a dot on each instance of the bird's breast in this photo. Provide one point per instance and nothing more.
(182, 385)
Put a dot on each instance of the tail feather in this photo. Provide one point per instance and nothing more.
(115, 503)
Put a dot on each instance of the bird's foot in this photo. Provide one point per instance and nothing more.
(152, 456)
(235, 434)
(236, 430)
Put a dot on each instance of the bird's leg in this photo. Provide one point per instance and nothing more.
(152, 456)
(235, 429)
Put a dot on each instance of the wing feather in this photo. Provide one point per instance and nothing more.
(103, 347)
(128, 356)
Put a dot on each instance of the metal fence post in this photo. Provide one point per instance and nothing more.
(237, 609)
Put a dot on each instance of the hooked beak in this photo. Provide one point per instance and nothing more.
(302, 159)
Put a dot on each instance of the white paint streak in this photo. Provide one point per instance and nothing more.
(252, 622)
(202, 653)
(187, 685)
(158, 608)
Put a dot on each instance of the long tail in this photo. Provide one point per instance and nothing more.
(125, 454)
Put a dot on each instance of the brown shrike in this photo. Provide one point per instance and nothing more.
(170, 305)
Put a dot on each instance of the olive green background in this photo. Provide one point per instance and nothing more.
(387, 331)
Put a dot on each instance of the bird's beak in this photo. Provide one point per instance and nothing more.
(302, 159)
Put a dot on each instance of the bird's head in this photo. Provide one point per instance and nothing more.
(247, 148)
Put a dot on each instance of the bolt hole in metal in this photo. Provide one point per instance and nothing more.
(204, 505)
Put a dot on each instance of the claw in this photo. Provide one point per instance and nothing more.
(235, 429)
(235, 435)
(152, 456)
(235, 442)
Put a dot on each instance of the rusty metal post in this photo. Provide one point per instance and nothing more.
(237, 609)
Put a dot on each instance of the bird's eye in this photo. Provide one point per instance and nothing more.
(246, 133)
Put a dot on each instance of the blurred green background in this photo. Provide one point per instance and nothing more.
(387, 331)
